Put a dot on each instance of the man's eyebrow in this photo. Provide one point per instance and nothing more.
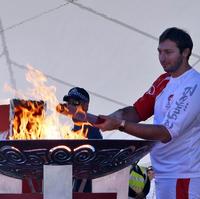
(165, 49)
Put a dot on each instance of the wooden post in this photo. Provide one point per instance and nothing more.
(57, 181)
(116, 182)
(10, 185)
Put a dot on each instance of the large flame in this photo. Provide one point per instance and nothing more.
(28, 120)
(36, 120)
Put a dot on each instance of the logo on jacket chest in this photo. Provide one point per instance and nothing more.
(169, 101)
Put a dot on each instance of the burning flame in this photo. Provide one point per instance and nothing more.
(38, 118)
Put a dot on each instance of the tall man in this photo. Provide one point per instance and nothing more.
(173, 99)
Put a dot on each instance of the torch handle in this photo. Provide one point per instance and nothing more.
(71, 111)
(93, 119)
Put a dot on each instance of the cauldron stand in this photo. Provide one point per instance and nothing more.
(90, 158)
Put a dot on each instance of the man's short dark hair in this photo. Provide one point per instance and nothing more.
(179, 36)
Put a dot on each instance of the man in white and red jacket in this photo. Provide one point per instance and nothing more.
(173, 99)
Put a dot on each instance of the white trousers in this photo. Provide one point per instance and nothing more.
(170, 188)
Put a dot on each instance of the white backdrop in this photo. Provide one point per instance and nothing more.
(109, 47)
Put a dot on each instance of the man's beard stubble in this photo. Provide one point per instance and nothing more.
(174, 67)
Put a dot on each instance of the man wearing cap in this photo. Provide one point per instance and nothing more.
(79, 97)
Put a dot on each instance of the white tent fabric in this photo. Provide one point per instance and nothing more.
(109, 47)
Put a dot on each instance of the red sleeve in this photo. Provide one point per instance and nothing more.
(145, 104)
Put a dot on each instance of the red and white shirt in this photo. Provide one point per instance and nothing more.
(175, 104)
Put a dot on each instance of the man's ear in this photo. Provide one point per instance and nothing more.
(186, 52)
(85, 106)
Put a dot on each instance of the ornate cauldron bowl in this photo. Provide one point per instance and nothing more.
(89, 158)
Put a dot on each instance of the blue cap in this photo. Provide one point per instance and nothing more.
(78, 94)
